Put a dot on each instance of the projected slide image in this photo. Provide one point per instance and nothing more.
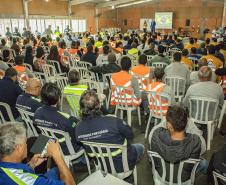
(164, 20)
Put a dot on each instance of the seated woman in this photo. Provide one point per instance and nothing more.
(39, 60)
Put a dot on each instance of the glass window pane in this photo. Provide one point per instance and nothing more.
(50, 22)
(7, 23)
(14, 24)
(2, 29)
(43, 28)
(59, 23)
(32, 23)
(65, 23)
(21, 25)
(75, 25)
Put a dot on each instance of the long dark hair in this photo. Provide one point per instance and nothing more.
(53, 55)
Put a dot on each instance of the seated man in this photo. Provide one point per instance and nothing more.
(213, 61)
(74, 87)
(93, 123)
(90, 56)
(112, 67)
(133, 50)
(14, 150)
(194, 54)
(19, 61)
(205, 88)
(103, 58)
(49, 115)
(29, 100)
(161, 58)
(174, 144)
(142, 71)
(9, 92)
(123, 78)
(185, 60)
(178, 69)
(194, 77)
(158, 86)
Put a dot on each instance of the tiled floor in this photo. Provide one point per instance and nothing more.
(144, 167)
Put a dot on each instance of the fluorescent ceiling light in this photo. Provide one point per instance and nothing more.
(133, 3)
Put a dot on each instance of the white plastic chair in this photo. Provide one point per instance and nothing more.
(122, 104)
(107, 85)
(201, 112)
(217, 176)
(8, 110)
(27, 118)
(56, 65)
(223, 111)
(74, 60)
(141, 80)
(134, 59)
(28, 66)
(73, 155)
(156, 100)
(62, 82)
(195, 63)
(84, 64)
(50, 73)
(40, 76)
(106, 157)
(149, 57)
(178, 85)
(162, 180)
(159, 65)
(172, 51)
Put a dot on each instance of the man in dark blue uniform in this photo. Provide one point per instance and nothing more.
(95, 127)
(29, 101)
(9, 92)
(49, 115)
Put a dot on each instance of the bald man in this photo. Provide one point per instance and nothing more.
(29, 100)
(205, 88)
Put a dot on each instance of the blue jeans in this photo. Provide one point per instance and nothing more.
(203, 166)
(53, 174)
(139, 149)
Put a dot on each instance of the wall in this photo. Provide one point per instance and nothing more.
(190, 9)
(53, 8)
(11, 8)
(86, 11)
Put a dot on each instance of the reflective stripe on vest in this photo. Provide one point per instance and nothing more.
(19, 177)
(113, 154)
(129, 98)
(161, 104)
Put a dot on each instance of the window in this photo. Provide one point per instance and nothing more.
(78, 25)
(33, 25)
(21, 24)
(14, 23)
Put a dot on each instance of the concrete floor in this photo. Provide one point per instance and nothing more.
(144, 171)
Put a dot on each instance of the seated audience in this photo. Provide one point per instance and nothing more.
(142, 71)
(93, 122)
(194, 77)
(90, 55)
(49, 115)
(28, 59)
(15, 46)
(194, 54)
(218, 53)
(19, 61)
(213, 61)
(103, 58)
(29, 101)
(205, 88)
(202, 49)
(191, 44)
(7, 57)
(151, 49)
(123, 78)
(10, 91)
(3, 65)
(160, 87)
(39, 60)
(222, 72)
(177, 69)
(111, 67)
(3, 45)
(13, 144)
(176, 141)
(133, 50)
(185, 60)
(161, 58)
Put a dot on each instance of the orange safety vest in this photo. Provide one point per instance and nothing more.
(61, 51)
(142, 71)
(161, 104)
(22, 76)
(73, 51)
(123, 78)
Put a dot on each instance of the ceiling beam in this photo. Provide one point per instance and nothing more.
(113, 3)
(77, 2)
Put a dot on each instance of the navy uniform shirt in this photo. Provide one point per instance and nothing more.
(51, 117)
(18, 173)
(107, 129)
(9, 92)
(28, 102)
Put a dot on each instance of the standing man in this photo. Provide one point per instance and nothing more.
(153, 24)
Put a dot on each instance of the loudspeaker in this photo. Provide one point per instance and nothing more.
(125, 22)
(187, 23)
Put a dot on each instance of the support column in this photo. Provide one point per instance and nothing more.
(69, 13)
(25, 5)
(97, 20)
(203, 19)
(223, 24)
